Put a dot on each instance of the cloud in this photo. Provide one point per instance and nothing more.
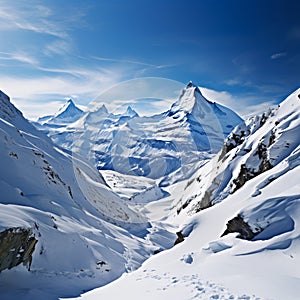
(18, 56)
(124, 61)
(27, 16)
(278, 55)
(140, 72)
(245, 105)
(37, 110)
(60, 47)
(42, 20)
(35, 92)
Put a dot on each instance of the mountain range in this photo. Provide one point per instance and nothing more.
(164, 146)
(103, 192)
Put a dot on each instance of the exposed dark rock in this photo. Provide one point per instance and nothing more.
(249, 173)
(237, 224)
(16, 247)
(244, 175)
(157, 251)
(186, 204)
(180, 238)
(205, 202)
(101, 263)
(233, 141)
(272, 138)
(263, 119)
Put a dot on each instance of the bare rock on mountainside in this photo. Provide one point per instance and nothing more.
(239, 225)
(16, 246)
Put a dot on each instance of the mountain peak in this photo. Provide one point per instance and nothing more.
(68, 113)
(191, 85)
(70, 102)
(68, 108)
(103, 109)
(131, 112)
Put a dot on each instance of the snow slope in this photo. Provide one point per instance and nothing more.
(241, 242)
(86, 235)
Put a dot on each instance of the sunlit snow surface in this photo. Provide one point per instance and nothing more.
(204, 264)
(88, 236)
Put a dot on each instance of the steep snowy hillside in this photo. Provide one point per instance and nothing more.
(164, 146)
(239, 216)
(253, 147)
(60, 219)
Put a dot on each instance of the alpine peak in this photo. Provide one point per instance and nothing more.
(131, 112)
(192, 85)
(70, 102)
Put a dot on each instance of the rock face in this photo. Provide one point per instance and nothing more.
(180, 238)
(238, 224)
(16, 246)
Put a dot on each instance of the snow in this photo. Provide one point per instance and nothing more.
(97, 234)
(208, 266)
(77, 220)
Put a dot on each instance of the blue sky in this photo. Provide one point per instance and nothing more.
(246, 53)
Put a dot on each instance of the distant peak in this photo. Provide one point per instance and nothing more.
(71, 102)
(192, 85)
(130, 111)
(103, 109)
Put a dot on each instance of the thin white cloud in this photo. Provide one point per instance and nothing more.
(245, 105)
(123, 61)
(18, 56)
(27, 16)
(40, 19)
(278, 55)
(34, 93)
(139, 72)
(60, 47)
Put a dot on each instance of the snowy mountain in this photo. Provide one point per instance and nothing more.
(60, 219)
(154, 147)
(67, 114)
(233, 221)
(239, 221)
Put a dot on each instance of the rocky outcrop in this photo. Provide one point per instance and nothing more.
(238, 224)
(247, 173)
(205, 202)
(16, 246)
(180, 238)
